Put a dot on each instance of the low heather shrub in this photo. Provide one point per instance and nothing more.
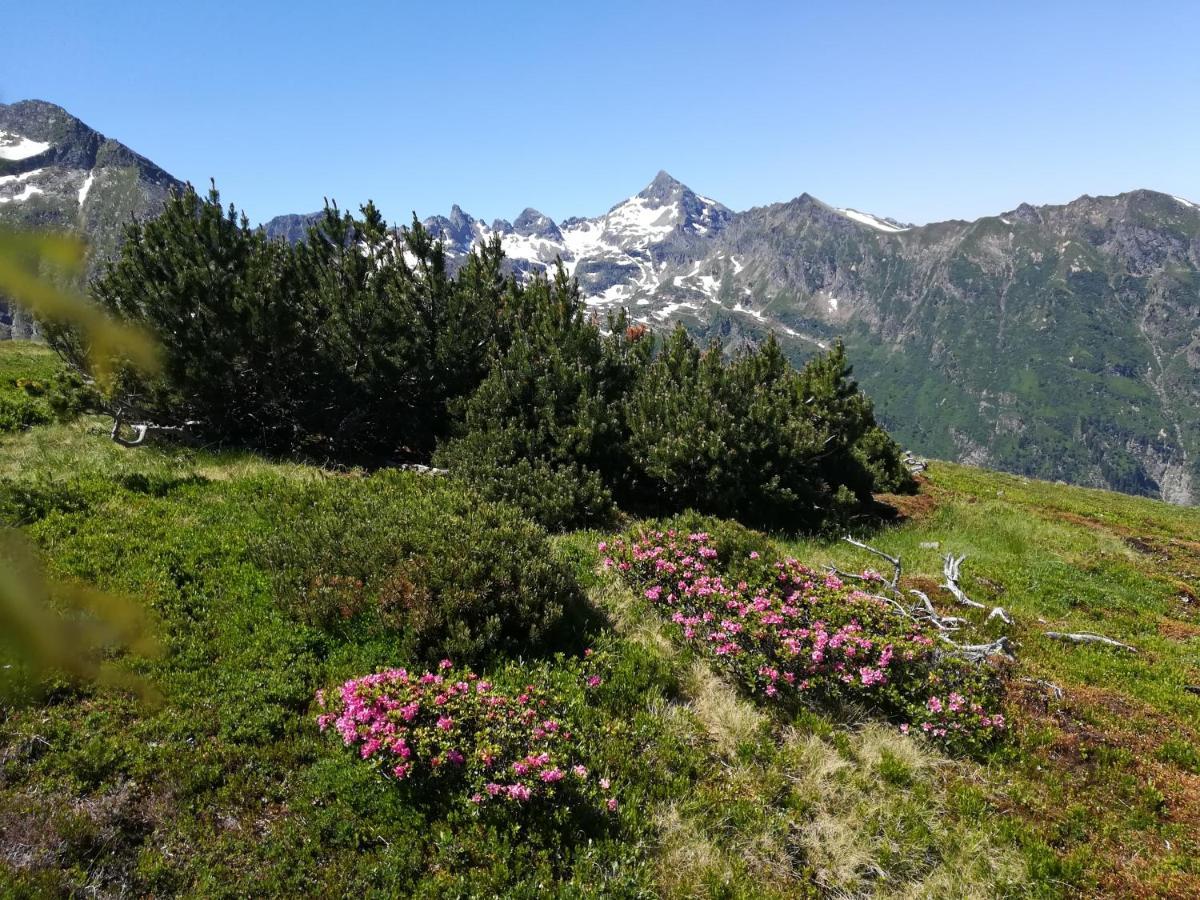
(422, 563)
(787, 632)
(452, 732)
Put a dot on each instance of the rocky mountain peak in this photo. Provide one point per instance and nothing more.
(458, 229)
(665, 188)
(531, 223)
(1028, 214)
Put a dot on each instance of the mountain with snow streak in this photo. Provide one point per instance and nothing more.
(56, 172)
(622, 257)
(1055, 341)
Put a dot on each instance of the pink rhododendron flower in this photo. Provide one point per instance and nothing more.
(784, 628)
(443, 729)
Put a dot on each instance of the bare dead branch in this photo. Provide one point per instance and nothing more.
(998, 612)
(980, 652)
(951, 566)
(950, 570)
(1088, 638)
(942, 623)
(423, 470)
(141, 429)
(894, 584)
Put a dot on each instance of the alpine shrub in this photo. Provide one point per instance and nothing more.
(789, 633)
(545, 429)
(18, 413)
(450, 731)
(421, 561)
(349, 344)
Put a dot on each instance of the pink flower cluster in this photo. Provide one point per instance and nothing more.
(789, 630)
(779, 623)
(957, 715)
(451, 725)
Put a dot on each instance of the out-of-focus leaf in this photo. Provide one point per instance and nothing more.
(67, 628)
(56, 627)
(24, 258)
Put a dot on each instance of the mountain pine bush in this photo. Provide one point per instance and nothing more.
(358, 346)
(348, 345)
(545, 429)
(572, 421)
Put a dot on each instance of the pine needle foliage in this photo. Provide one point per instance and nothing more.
(358, 345)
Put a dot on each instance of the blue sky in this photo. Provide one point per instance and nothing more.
(921, 111)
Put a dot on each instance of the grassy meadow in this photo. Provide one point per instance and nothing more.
(222, 785)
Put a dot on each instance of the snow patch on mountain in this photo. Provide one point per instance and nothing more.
(624, 255)
(1187, 203)
(537, 250)
(29, 191)
(17, 147)
(86, 187)
(637, 223)
(885, 225)
(23, 176)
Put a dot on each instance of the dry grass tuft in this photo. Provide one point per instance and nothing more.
(728, 720)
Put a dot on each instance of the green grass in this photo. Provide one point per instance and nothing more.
(1103, 782)
(26, 373)
(227, 789)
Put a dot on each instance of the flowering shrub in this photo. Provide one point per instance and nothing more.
(453, 729)
(789, 632)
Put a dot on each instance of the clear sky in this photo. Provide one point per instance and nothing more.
(921, 111)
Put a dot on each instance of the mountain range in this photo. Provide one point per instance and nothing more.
(1061, 342)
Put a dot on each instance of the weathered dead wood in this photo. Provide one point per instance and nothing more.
(141, 429)
(951, 566)
(423, 470)
(1084, 637)
(894, 584)
(942, 623)
(999, 612)
(1001, 646)
(950, 571)
(926, 612)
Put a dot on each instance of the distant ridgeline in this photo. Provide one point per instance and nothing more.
(1055, 341)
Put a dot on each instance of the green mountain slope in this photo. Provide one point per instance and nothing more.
(1058, 342)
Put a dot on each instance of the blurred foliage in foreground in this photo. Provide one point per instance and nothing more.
(49, 627)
